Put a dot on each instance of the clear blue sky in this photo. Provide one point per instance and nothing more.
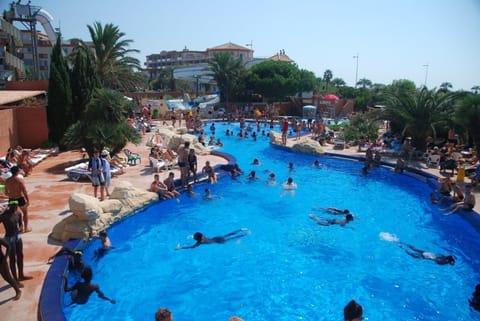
(394, 39)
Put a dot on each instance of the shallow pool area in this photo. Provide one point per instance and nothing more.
(288, 267)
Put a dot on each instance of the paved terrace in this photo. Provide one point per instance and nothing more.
(49, 190)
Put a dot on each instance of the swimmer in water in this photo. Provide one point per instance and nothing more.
(326, 221)
(81, 291)
(421, 254)
(202, 239)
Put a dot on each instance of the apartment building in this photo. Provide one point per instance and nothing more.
(187, 59)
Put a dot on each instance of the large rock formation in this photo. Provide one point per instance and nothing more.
(89, 211)
(308, 146)
(174, 137)
(305, 145)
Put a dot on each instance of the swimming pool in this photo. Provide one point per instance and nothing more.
(288, 267)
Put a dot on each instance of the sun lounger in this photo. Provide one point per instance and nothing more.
(80, 171)
(339, 143)
(157, 164)
(132, 157)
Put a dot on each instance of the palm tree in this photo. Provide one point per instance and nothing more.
(364, 83)
(228, 72)
(103, 124)
(445, 87)
(327, 77)
(114, 65)
(338, 82)
(467, 115)
(476, 89)
(420, 114)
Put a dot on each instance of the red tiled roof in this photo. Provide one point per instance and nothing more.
(229, 46)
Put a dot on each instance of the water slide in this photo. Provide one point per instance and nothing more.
(210, 101)
(45, 20)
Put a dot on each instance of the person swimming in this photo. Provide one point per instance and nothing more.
(417, 253)
(81, 291)
(202, 239)
(326, 221)
(421, 254)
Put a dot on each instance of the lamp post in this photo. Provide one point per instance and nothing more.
(250, 45)
(197, 77)
(356, 70)
(426, 74)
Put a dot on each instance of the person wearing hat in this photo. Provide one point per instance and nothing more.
(12, 222)
(107, 171)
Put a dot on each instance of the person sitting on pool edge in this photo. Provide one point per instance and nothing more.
(81, 291)
(327, 221)
(202, 239)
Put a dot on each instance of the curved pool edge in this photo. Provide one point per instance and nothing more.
(50, 307)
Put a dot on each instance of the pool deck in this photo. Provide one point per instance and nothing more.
(49, 190)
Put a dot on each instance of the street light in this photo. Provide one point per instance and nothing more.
(250, 45)
(426, 74)
(197, 77)
(356, 70)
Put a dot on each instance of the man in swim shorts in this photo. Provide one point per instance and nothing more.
(284, 131)
(202, 239)
(12, 223)
(183, 162)
(16, 191)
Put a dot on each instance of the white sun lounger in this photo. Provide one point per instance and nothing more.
(81, 171)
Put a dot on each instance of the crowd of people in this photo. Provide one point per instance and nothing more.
(15, 217)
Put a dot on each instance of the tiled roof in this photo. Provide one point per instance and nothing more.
(11, 96)
(281, 57)
(229, 46)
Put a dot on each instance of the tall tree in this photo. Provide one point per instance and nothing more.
(59, 113)
(84, 79)
(475, 89)
(445, 87)
(114, 65)
(278, 79)
(419, 115)
(327, 77)
(467, 115)
(103, 124)
(364, 83)
(229, 73)
(338, 82)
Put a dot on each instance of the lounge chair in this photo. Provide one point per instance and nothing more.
(433, 161)
(79, 171)
(157, 164)
(339, 143)
(132, 157)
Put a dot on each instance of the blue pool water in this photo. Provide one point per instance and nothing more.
(288, 268)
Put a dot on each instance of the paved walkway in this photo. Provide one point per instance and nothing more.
(49, 190)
